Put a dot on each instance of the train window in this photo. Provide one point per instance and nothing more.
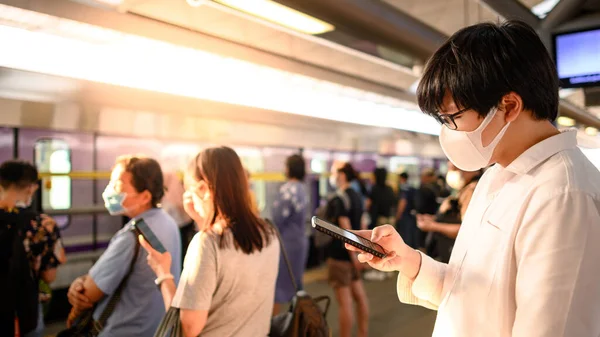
(318, 166)
(53, 160)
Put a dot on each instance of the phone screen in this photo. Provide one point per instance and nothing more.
(141, 227)
(348, 235)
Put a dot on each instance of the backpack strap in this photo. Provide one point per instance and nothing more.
(112, 303)
(285, 256)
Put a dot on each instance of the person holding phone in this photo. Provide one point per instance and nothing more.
(446, 223)
(227, 286)
(525, 259)
(135, 189)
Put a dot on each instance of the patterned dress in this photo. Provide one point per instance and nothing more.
(26, 249)
(290, 212)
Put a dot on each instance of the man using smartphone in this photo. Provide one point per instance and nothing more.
(525, 259)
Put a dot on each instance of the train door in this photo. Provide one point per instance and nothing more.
(53, 160)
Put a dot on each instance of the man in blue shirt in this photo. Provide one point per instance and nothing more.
(135, 189)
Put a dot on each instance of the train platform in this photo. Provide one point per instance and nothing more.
(389, 317)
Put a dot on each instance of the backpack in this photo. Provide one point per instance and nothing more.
(321, 239)
(304, 318)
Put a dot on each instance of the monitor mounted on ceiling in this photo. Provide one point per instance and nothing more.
(577, 56)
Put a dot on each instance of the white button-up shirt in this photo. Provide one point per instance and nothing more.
(526, 262)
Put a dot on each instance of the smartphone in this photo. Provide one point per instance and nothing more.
(348, 237)
(140, 227)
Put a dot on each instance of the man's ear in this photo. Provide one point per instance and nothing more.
(512, 105)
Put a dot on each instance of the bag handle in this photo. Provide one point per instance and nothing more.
(112, 303)
(285, 256)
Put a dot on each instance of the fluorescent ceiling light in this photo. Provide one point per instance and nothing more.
(81, 51)
(591, 131)
(565, 121)
(543, 8)
(111, 2)
(280, 14)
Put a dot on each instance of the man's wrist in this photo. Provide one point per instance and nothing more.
(412, 266)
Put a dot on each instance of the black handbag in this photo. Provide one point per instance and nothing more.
(304, 318)
(170, 325)
(86, 326)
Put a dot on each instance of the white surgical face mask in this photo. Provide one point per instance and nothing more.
(23, 204)
(455, 180)
(332, 181)
(465, 149)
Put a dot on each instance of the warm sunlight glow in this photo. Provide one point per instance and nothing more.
(81, 51)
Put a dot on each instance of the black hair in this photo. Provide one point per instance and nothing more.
(348, 171)
(480, 64)
(17, 173)
(296, 168)
(351, 175)
(380, 174)
(403, 175)
(146, 175)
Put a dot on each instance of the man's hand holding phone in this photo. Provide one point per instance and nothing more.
(400, 256)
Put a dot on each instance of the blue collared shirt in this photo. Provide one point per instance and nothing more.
(141, 307)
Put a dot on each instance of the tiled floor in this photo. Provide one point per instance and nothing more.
(389, 317)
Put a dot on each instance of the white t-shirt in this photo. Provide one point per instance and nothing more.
(237, 289)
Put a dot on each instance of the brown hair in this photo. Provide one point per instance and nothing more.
(146, 175)
(222, 170)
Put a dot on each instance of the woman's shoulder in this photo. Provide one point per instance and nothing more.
(206, 238)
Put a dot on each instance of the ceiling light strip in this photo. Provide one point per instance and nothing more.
(126, 60)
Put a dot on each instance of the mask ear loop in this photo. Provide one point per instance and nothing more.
(486, 121)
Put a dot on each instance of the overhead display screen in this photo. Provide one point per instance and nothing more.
(577, 56)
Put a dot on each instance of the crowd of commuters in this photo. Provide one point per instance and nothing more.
(506, 252)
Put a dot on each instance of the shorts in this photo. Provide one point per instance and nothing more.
(341, 273)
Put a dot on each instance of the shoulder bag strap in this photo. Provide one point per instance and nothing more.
(112, 303)
(285, 256)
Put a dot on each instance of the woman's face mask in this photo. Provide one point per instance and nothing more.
(202, 202)
(332, 181)
(25, 197)
(455, 180)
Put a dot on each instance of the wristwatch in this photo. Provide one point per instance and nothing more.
(160, 279)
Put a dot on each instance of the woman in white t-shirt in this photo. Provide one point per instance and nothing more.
(227, 286)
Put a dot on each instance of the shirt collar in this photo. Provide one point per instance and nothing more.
(543, 150)
(145, 214)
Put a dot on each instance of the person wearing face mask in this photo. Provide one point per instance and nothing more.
(30, 251)
(525, 259)
(345, 209)
(446, 224)
(227, 286)
(135, 190)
